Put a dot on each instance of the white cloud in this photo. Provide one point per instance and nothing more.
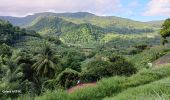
(158, 8)
(24, 7)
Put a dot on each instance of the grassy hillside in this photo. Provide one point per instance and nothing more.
(117, 85)
(156, 24)
(155, 90)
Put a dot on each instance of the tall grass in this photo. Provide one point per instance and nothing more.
(159, 90)
(109, 86)
(141, 60)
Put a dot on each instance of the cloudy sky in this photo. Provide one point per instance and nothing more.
(142, 10)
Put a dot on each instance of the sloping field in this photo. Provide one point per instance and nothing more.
(158, 90)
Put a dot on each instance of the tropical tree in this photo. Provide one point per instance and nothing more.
(165, 30)
(47, 62)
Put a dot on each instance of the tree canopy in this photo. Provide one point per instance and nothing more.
(165, 30)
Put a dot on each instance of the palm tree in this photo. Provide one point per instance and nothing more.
(47, 62)
(11, 71)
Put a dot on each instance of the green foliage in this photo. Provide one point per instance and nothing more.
(10, 33)
(142, 59)
(71, 58)
(54, 95)
(5, 50)
(83, 33)
(165, 30)
(77, 47)
(121, 66)
(104, 67)
(47, 62)
(15, 71)
(68, 78)
(85, 29)
(115, 85)
(69, 32)
(156, 90)
(97, 69)
(54, 39)
(124, 44)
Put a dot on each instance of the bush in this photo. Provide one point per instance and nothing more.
(104, 67)
(72, 59)
(133, 51)
(5, 50)
(96, 69)
(120, 66)
(68, 78)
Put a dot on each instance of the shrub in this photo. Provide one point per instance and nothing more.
(96, 69)
(72, 59)
(133, 51)
(68, 78)
(5, 50)
(120, 66)
(104, 67)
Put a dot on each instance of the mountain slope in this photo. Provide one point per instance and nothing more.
(68, 31)
(156, 24)
(13, 35)
(22, 21)
(108, 22)
(81, 27)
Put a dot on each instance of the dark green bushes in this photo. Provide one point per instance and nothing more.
(104, 67)
(68, 78)
(71, 58)
(96, 70)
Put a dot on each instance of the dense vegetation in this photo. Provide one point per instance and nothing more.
(165, 31)
(54, 52)
(73, 27)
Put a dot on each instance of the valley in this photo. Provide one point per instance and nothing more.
(45, 55)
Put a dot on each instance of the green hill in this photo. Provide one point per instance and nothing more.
(10, 33)
(156, 23)
(111, 23)
(68, 31)
(83, 27)
(18, 37)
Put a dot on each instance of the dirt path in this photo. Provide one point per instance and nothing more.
(162, 60)
(71, 90)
